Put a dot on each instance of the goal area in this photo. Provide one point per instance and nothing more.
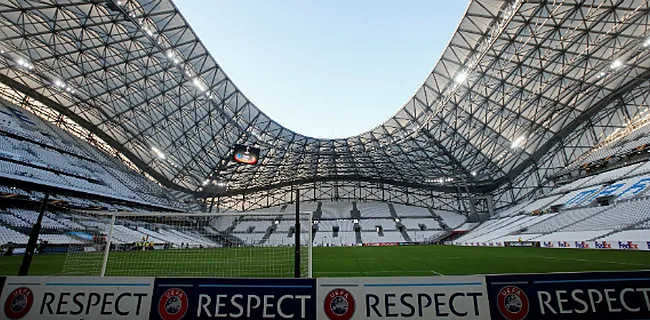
(250, 245)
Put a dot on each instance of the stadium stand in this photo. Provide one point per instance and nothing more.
(575, 211)
(33, 150)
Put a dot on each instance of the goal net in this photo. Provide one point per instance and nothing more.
(251, 245)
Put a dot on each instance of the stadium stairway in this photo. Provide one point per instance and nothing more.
(405, 234)
(357, 235)
(318, 213)
(234, 224)
(393, 212)
(269, 232)
(433, 214)
(221, 237)
(355, 213)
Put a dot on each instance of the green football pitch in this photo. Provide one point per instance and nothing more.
(427, 260)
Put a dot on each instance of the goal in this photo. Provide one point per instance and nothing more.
(243, 245)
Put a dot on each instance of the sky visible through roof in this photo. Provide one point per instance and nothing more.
(327, 68)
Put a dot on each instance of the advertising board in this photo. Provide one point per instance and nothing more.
(599, 295)
(76, 297)
(203, 298)
(449, 297)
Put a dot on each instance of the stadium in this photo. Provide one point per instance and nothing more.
(135, 154)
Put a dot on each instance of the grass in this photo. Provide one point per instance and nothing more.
(335, 262)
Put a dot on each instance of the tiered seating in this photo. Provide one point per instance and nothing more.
(611, 175)
(497, 228)
(628, 235)
(250, 239)
(563, 219)
(336, 210)
(414, 224)
(192, 238)
(371, 224)
(572, 236)
(466, 226)
(374, 237)
(122, 234)
(512, 210)
(373, 210)
(41, 148)
(8, 235)
(59, 239)
(285, 225)
(222, 223)
(409, 211)
(571, 186)
(426, 235)
(538, 204)
(325, 238)
(31, 217)
(257, 225)
(328, 225)
(14, 221)
(625, 214)
(452, 220)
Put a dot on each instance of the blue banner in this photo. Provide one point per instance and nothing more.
(183, 298)
(601, 295)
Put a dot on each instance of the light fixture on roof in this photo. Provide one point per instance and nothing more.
(119, 3)
(646, 43)
(518, 142)
(158, 153)
(198, 84)
(170, 54)
(616, 64)
(473, 173)
(462, 76)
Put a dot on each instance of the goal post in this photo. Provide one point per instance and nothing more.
(242, 245)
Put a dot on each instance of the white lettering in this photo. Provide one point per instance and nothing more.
(627, 307)
(559, 294)
(203, 305)
(267, 304)
(591, 298)
(610, 300)
(237, 305)
(303, 303)
(218, 305)
(545, 301)
(282, 314)
(250, 306)
(574, 295)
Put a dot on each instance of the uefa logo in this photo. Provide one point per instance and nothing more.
(18, 303)
(512, 303)
(173, 304)
(339, 304)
